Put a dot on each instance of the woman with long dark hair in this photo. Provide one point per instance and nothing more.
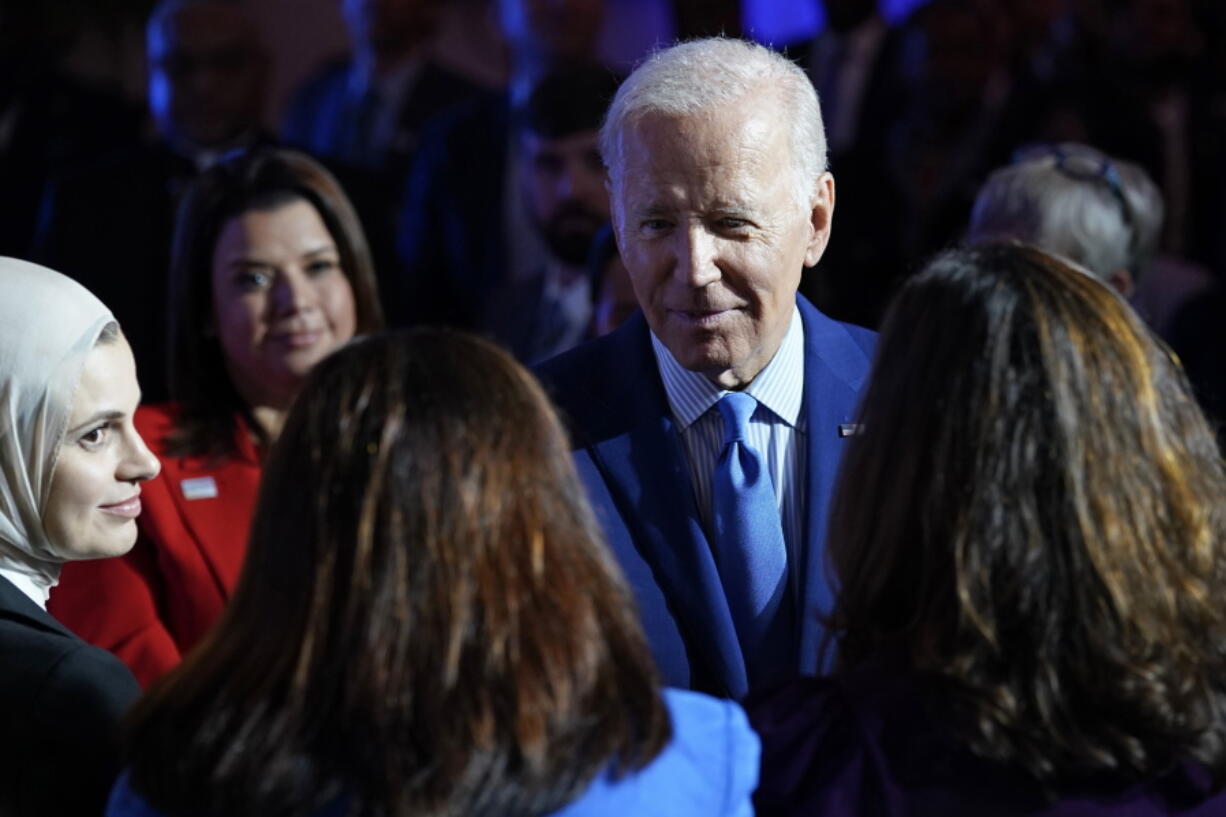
(1029, 535)
(428, 624)
(270, 273)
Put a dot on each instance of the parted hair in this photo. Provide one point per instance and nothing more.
(256, 179)
(1033, 516)
(428, 622)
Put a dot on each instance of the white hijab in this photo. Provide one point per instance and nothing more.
(48, 325)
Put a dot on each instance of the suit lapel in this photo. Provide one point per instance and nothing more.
(642, 460)
(835, 369)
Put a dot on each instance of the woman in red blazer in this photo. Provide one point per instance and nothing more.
(270, 273)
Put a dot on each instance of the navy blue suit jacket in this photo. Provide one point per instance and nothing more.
(631, 458)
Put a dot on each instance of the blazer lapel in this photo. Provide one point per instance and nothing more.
(644, 466)
(671, 539)
(835, 369)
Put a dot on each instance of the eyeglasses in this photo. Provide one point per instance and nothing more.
(1082, 165)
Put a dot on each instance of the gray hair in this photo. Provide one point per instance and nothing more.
(1148, 213)
(716, 73)
(1081, 219)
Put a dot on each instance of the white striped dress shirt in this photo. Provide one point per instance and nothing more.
(776, 430)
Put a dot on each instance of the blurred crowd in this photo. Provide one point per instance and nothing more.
(483, 436)
(466, 190)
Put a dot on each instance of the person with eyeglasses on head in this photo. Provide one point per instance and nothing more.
(1074, 201)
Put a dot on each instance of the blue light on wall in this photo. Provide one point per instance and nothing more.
(787, 21)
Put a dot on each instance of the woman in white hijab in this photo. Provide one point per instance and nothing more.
(71, 465)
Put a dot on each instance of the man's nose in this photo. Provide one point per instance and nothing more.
(696, 250)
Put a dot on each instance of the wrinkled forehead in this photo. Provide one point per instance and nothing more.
(756, 119)
(657, 148)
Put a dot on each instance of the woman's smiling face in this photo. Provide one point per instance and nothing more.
(281, 301)
(94, 498)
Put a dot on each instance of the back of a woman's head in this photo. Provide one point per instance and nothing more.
(427, 619)
(1034, 513)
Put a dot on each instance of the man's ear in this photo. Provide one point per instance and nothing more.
(820, 217)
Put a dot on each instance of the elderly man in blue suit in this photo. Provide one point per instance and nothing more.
(709, 427)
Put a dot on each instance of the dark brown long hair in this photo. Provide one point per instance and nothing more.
(428, 622)
(258, 179)
(1035, 515)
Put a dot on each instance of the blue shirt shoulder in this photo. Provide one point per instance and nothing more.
(709, 769)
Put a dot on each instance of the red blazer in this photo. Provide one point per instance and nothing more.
(151, 606)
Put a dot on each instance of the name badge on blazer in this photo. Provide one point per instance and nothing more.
(199, 488)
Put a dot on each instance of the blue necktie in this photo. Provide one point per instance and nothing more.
(748, 543)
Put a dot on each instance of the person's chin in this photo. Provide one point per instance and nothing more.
(700, 354)
(298, 362)
(109, 545)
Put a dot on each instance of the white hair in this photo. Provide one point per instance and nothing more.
(718, 73)
(1078, 218)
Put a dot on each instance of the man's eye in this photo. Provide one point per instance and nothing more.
(733, 223)
(654, 225)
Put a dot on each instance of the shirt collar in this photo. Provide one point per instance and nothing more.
(779, 386)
